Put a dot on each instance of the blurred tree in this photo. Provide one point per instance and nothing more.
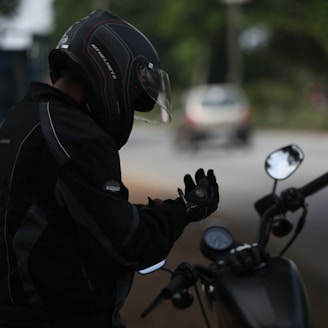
(8, 7)
(182, 31)
(298, 34)
(185, 33)
(67, 12)
(190, 36)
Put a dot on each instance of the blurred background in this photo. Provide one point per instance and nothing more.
(272, 53)
(277, 50)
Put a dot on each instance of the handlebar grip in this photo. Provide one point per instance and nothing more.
(177, 282)
(315, 185)
(184, 276)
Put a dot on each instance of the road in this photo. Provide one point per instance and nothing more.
(151, 162)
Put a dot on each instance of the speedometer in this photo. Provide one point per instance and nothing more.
(215, 239)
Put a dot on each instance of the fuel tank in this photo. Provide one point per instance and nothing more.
(271, 297)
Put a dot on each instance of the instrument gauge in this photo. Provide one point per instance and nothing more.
(215, 239)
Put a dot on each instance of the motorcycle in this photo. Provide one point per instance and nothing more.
(271, 294)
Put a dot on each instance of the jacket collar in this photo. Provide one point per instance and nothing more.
(44, 92)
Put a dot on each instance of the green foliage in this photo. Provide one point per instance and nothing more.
(8, 7)
(277, 104)
(66, 13)
(191, 38)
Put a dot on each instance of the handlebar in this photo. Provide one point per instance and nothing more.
(290, 199)
(314, 186)
(183, 277)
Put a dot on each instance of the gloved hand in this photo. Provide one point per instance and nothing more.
(201, 197)
(246, 258)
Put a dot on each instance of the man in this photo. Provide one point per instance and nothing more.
(70, 240)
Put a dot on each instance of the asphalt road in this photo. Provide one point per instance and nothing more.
(155, 167)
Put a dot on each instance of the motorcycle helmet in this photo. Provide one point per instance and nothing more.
(119, 69)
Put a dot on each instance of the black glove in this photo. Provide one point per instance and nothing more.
(246, 258)
(200, 198)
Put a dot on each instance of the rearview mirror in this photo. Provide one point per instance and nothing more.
(281, 163)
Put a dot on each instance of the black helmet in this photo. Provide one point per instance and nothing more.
(118, 67)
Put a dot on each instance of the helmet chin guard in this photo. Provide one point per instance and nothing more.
(119, 69)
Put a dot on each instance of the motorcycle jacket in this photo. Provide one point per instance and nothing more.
(69, 238)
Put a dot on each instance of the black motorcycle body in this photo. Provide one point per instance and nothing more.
(272, 296)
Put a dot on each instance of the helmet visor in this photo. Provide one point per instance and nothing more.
(156, 84)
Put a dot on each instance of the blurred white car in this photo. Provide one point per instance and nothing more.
(217, 113)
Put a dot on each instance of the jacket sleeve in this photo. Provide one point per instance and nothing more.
(91, 189)
(132, 237)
